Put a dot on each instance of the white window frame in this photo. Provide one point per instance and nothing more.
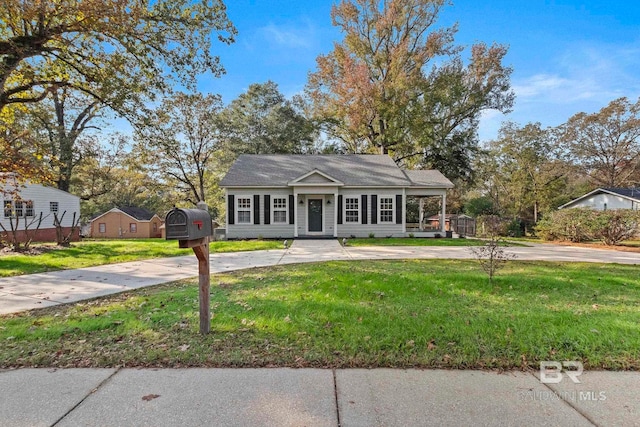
(133, 227)
(347, 209)
(393, 210)
(102, 227)
(244, 209)
(275, 209)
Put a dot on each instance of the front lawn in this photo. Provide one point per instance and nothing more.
(410, 313)
(98, 252)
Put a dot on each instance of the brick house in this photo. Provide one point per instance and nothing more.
(126, 223)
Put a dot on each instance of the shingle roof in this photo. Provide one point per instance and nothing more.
(351, 169)
(140, 214)
(632, 193)
(428, 178)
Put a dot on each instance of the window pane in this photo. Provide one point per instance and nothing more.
(8, 207)
(133, 227)
(102, 227)
(279, 203)
(53, 206)
(244, 217)
(279, 216)
(29, 208)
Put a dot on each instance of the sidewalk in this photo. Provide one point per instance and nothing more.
(48, 289)
(312, 397)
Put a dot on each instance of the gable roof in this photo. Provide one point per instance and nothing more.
(140, 214)
(356, 170)
(627, 193)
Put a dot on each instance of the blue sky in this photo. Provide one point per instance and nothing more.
(568, 56)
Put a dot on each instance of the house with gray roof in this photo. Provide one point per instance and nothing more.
(603, 199)
(287, 196)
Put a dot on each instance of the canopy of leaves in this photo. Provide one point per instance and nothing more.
(119, 51)
(263, 121)
(397, 83)
(606, 144)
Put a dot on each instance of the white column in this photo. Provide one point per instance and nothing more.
(421, 214)
(295, 214)
(444, 213)
(404, 210)
(335, 214)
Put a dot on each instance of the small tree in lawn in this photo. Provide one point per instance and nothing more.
(492, 255)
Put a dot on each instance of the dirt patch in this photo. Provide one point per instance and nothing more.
(33, 250)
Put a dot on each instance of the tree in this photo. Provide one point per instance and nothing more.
(63, 118)
(528, 170)
(606, 145)
(396, 84)
(182, 139)
(263, 121)
(116, 51)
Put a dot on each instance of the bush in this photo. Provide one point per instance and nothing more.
(580, 225)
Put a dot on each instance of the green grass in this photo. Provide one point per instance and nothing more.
(99, 252)
(413, 313)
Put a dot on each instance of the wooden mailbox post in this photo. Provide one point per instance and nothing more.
(193, 228)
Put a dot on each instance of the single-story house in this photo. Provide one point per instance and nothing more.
(23, 204)
(286, 196)
(602, 199)
(126, 222)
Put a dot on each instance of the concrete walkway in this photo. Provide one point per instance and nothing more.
(48, 289)
(312, 397)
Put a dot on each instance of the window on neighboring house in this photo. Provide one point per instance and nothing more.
(351, 209)
(155, 227)
(19, 208)
(133, 227)
(280, 210)
(244, 210)
(28, 208)
(102, 227)
(386, 209)
(53, 207)
(8, 208)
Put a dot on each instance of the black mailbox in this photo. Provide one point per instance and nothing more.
(188, 224)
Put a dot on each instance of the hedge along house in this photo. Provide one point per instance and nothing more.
(285, 196)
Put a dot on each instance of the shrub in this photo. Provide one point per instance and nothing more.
(579, 225)
(616, 226)
(372, 235)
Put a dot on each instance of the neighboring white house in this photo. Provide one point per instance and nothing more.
(23, 204)
(603, 199)
(284, 196)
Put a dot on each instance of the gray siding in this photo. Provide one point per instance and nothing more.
(252, 231)
(270, 231)
(347, 229)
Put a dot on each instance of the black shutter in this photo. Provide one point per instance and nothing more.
(363, 209)
(340, 209)
(292, 209)
(256, 209)
(374, 209)
(398, 208)
(231, 209)
(267, 209)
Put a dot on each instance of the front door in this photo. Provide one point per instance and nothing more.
(315, 215)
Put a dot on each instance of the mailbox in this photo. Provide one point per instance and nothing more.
(188, 224)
